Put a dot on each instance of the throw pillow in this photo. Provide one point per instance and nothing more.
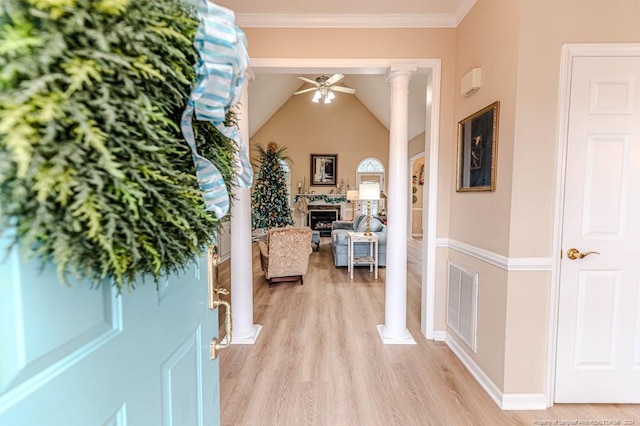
(376, 225)
(359, 220)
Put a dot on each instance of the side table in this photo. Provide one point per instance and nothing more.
(371, 260)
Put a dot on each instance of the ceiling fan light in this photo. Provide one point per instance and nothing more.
(316, 96)
(331, 96)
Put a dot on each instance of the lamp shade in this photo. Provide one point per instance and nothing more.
(369, 191)
(352, 194)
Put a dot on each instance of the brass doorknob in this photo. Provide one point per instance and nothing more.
(574, 253)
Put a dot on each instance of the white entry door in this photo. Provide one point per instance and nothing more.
(75, 356)
(598, 358)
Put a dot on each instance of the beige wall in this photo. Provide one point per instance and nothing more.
(416, 145)
(352, 43)
(344, 127)
(482, 219)
(487, 38)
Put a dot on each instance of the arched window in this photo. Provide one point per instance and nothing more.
(371, 170)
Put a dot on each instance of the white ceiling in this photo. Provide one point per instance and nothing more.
(269, 91)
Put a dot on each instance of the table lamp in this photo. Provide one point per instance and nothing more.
(352, 195)
(369, 191)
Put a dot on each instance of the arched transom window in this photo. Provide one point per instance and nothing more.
(371, 170)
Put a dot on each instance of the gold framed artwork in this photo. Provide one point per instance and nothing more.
(324, 169)
(477, 150)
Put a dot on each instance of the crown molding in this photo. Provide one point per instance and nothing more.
(269, 20)
(464, 8)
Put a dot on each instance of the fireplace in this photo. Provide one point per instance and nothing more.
(320, 219)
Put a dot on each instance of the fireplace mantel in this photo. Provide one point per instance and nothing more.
(317, 202)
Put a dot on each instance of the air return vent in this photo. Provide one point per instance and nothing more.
(462, 302)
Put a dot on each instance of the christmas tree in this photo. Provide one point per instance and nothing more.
(269, 200)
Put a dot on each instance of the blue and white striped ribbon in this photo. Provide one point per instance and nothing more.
(220, 76)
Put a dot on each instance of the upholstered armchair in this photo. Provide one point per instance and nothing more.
(284, 255)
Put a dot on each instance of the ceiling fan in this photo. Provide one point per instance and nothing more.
(324, 88)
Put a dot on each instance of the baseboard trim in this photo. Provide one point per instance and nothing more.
(439, 336)
(484, 380)
(504, 401)
(524, 401)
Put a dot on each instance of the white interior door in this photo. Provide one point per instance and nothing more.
(598, 357)
(79, 356)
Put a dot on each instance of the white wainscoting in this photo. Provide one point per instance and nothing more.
(506, 401)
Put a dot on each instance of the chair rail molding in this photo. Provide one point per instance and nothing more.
(509, 264)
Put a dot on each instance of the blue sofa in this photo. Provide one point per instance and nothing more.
(340, 241)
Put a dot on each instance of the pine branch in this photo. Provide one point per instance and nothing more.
(94, 173)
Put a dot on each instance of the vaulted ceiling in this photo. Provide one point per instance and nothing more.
(269, 91)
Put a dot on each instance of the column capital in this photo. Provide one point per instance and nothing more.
(400, 69)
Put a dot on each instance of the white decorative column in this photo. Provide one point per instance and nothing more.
(244, 330)
(394, 330)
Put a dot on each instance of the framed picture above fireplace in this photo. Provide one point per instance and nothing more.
(324, 169)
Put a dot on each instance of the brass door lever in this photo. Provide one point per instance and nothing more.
(574, 253)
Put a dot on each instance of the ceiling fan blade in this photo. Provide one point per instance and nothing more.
(343, 89)
(308, 80)
(305, 90)
(334, 79)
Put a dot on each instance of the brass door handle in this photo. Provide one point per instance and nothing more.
(213, 259)
(574, 253)
(212, 275)
(216, 344)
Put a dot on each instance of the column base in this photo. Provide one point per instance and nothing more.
(406, 339)
(248, 338)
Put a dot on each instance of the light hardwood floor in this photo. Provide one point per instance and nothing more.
(319, 361)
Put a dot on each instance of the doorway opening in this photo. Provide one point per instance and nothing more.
(430, 70)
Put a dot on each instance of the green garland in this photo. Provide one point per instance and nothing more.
(94, 173)
(329, 199)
